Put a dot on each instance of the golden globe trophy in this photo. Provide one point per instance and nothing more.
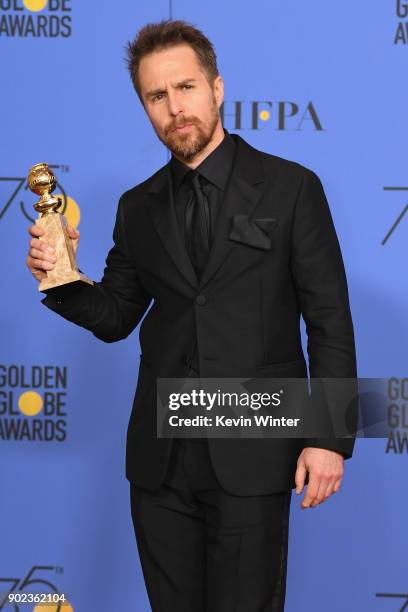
(41, 181)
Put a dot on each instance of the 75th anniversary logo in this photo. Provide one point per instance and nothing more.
(13, 191)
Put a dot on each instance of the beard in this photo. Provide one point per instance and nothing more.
(186, 146)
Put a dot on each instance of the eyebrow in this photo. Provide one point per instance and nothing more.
(154, 92)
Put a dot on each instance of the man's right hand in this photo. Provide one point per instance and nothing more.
(41, 256)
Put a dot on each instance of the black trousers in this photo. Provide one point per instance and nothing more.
(204, 550)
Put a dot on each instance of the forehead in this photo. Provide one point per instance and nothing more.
(173, 63)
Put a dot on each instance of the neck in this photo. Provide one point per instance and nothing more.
(216, 139)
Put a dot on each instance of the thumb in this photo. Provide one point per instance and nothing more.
(72, 232)
(300, 477)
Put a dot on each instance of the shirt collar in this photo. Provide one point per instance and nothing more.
(215, 167)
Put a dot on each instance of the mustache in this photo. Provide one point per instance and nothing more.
(179, 124)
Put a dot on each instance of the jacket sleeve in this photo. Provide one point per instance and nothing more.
(113, 307)
(319, 276)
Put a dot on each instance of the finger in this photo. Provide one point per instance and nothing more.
(41, 245)
(329, 490)
(36, 230)
(321, 493)
(39, 275)
(337, 485)
(39, 264)
(40, 254)
(311, 492)
(73, 233)
(300, 478)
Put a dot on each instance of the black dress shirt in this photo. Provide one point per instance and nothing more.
(214, 171)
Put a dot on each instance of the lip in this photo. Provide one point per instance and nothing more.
(180, 129)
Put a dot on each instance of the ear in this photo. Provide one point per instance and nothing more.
(218, 88)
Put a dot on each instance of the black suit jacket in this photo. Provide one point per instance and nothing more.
(275, 257)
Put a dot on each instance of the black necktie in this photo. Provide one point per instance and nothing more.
(197, 219)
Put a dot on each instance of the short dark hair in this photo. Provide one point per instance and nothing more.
(169, 33)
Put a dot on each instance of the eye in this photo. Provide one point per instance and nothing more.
(157, 97)
(188, 86)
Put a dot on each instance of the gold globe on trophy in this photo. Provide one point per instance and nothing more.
(41, 180)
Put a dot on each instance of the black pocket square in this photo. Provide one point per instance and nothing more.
(254, 232)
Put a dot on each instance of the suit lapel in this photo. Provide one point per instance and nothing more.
(163, 214)
(246, 186)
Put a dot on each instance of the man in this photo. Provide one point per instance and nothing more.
(232, 244)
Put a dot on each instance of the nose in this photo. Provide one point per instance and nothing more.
(175, 104)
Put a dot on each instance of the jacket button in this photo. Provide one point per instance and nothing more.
(201, 299)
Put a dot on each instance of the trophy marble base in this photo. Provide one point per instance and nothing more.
(66, 269)
(59, 281)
